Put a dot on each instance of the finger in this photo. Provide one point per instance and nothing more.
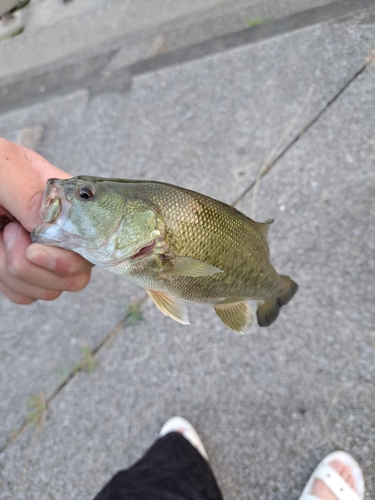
(58, 260)
(12, 284)
(20, 272)
(26, 294)
(16, 290)
(5, 217)
(15, 297)
(24, 188)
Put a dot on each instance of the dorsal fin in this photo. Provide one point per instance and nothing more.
(264, 227)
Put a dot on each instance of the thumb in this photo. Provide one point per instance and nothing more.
(21, 190)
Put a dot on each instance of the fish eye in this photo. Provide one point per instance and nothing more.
(86, 191)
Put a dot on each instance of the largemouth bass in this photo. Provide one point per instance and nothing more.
(179, 245)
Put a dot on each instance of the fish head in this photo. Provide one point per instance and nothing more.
(95, 219)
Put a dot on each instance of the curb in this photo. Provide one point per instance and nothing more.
(91, 71)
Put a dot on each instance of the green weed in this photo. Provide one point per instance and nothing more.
(88, 361)
(133, 314)
(256, 21)
(38, 406)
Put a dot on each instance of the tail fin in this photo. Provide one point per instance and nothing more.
(268, 312)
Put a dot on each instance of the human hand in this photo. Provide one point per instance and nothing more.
(31, 271)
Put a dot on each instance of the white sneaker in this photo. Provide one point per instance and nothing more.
(179, 424)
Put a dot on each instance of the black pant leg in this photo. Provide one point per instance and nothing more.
(172, 469)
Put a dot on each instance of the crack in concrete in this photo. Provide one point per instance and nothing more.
(120, 326)
(304, 130)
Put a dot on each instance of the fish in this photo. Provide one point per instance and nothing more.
(179, 245)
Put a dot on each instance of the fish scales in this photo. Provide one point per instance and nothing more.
(178, 244)
(201, 227)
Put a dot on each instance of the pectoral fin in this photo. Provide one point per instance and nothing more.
(187, 266)
(237, 315)
(170, 306)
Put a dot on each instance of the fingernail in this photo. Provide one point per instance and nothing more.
(10, 234)
(39, 256)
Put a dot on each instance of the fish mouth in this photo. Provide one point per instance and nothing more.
(51, 204)
(54, 212)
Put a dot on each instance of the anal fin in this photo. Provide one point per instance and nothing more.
(237, 315)
(170, 306)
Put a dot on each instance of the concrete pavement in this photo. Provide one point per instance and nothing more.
(268, 405)
(55, 31)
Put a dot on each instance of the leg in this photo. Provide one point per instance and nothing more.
(172, 469)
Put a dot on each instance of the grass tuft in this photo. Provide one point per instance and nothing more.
(133, 314)
(38, 406)
(88, 361)
(256, 21)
